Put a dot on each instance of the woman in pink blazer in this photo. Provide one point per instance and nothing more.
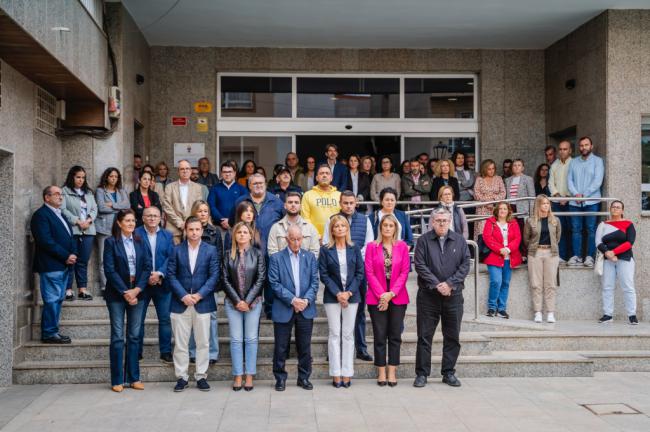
(502, 235)
(387, 270)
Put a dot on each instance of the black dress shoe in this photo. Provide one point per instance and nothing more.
(363, 355)
(305, 384)
(203, 385)
(192, 360)
(450, 379)
(140, 357)
(420, 381)
(280, 385)
(212, 361)
(64, 337)
(56, 339)
(84, 296)
(167, 358)
(69, 297)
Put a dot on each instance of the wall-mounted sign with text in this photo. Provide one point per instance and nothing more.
(179, 121)
(191, 152)
(202, 107)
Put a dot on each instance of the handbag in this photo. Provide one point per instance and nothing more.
(599, 264)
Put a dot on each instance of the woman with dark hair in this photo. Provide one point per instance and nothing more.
(541, 180)
(243, 276)
(431, 168)
(144, 197)
(127, 265)
(387, 201)
(466, 177)
(80, 210)
(111, 198)
(405, 168)
(306, 181)
(162, 174)
(359, 180)
(244, 212)
(247, 169)
(368, 166)
(385, 179)
(148, 168)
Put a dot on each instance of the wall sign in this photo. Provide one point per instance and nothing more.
(179, 121)
(202, 107)
(191, 152)
(201, 124)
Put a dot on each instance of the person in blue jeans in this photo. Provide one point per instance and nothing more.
(55, 253)
(160, 246)
(244, 274)
(585, 180)
(127, 266)
(502, 236)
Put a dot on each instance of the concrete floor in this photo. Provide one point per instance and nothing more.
(504, 404)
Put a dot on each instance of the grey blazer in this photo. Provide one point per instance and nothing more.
(526, 189)
(466, 185)
(71, 210)
(106, 215)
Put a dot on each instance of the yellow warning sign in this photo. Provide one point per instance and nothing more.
(201, 124)
(202, 107)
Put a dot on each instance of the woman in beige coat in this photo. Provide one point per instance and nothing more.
(542, 234)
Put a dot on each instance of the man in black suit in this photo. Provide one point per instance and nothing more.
(54, 255)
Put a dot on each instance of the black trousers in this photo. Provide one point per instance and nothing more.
(360, 323)
(431, 309)
(282, 336)
(387, 329)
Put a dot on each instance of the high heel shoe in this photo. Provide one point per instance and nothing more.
(337, 384)
(346, 384)
(392, 383)
(381, 383)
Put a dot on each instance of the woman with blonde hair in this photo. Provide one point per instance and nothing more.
(341, 266)
(243, 276)
(387, 270)
(542, 234)
(444, 176)
(488, 187)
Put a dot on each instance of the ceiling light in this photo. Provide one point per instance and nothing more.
(452, 99)
(470, 83)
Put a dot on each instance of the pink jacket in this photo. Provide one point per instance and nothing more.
(377, 276)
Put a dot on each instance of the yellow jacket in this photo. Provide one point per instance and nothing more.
(318, 205)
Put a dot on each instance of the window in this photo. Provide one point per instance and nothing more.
(645, 163)
(266, 151)
(45, 112)
(255, 96)
(348, 97)
(439, 98)
(438, 147)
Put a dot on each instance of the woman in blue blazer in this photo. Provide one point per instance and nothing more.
(127, 266)
(341, 269)
(387, 201)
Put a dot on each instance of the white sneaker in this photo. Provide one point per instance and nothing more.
(550, 318)
(562, 262)
(574, 261)
(538, 317)
(589, 262)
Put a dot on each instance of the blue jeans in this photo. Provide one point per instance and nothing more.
(84, 248)
(565, 223)
(499, 286)
(162, 300)
(577, 225)
(122, 372)
(53, 285)
(214, 339)
(244, 336)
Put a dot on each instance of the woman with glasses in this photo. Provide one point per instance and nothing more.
(385, 179)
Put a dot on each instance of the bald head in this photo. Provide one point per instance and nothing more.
(294, 238)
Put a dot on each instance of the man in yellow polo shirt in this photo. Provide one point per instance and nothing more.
(322, 201)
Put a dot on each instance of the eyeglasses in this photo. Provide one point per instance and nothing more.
(55, 194)
(441, 221)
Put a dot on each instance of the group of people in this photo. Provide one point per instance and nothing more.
(177, 243)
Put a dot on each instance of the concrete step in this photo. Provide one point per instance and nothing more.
(568, 341)
(619, 361)
(97, 349)
(523, 364)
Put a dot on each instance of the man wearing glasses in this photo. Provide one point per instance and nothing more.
(178, 200)
(160, 245)
(442, 263)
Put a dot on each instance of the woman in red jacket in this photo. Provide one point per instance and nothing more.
(502, 235)
(387, 270)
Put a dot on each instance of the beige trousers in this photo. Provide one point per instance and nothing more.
(182, 326)
(542, 273)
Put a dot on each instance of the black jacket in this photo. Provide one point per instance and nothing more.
(255, 275)
(137, 203)
(438, 182)
(363, 188)
(434, 265)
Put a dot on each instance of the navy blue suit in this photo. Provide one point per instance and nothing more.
(160, 294)
(284, 317)
(203, 281)
(54, 244)
(118, 280)
(340, 176)
(330, 273)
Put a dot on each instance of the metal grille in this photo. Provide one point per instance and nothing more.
(45, 112)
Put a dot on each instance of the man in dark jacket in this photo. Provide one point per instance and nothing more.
(55, 253)
(442, 263)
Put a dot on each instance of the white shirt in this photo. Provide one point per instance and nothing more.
(152, 242)
(57, 212)
(294, 258)
(184, 190)
(355, 182)
(343, 265)
(504, 233)
(370, 236)
(130, 253)
(193, 253)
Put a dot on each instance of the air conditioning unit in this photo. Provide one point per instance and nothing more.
(114, 102)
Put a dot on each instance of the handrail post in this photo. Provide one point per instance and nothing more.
(474, 246)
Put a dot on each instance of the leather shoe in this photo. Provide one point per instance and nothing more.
(138, 385)
(280, 385)
(450, 379)
(117, 388)
(56, 339)
(420, 381)
(363, 355)
(167, 358)
(305, 384)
